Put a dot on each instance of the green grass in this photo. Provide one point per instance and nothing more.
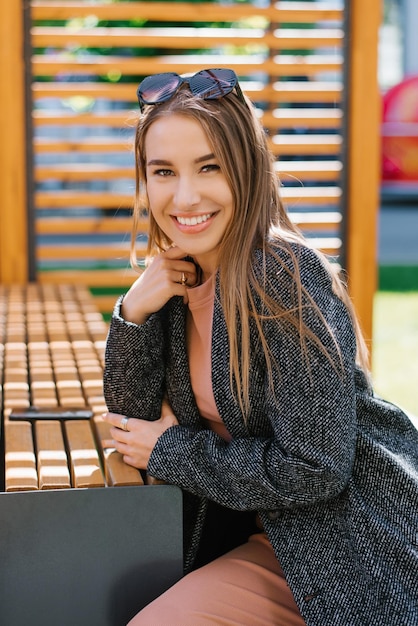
(395, 348)
(398, 278)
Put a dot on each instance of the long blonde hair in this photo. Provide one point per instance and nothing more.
(259, 218)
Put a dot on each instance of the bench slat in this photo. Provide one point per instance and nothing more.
(53, 470)
(118, 473)
(84, 459)
(20, 462)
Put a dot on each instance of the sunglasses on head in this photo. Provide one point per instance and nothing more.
(209, 84)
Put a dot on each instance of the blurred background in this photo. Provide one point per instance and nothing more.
(395, 333)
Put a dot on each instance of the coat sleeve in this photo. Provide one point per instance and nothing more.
(133, 379)
(305, 452)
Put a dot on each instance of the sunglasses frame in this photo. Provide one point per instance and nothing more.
(189, 81)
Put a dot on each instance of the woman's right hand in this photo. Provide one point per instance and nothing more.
(157, 284)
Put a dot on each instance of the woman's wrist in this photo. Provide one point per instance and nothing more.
(132, 314)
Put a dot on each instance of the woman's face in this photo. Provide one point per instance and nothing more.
(188, 194)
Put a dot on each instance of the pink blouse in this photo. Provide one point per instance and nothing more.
(199, 349)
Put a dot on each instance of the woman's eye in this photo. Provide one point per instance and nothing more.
(211, 167)
(163, 172)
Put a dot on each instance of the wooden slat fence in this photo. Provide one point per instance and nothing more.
(289, 57)
(297, 61)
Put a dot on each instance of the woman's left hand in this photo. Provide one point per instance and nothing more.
(135, 438)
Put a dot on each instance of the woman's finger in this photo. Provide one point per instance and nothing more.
(166, 276)
(187, 269)
(115, 419)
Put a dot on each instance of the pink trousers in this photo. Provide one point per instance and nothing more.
(245, 587)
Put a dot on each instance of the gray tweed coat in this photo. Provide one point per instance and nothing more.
(331, 468)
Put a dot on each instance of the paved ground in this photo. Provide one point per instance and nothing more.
(398, 233)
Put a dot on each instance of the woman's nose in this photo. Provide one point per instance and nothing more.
(187, 194)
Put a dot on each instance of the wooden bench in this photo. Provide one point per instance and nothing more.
(52, 356)
(73, 551)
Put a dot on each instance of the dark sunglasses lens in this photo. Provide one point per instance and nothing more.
(212, 84)
(158, 88)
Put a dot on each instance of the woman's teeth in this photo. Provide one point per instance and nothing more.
(192, 221)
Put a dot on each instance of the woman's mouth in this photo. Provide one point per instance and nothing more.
(194, 220)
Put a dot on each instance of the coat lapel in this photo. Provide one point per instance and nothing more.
(179, 390)
(228, 408)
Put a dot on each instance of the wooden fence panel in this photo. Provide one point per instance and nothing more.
(289, 57)
(294, 59)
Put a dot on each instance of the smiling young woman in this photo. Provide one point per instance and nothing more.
(188, 194)
(235, 369)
